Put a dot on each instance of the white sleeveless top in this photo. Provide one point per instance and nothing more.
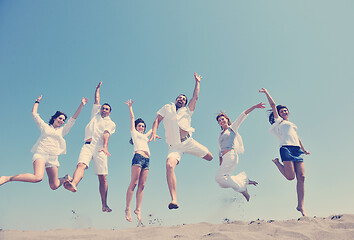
(140, 141)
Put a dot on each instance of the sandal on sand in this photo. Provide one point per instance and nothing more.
(69, 186)
(173, 206)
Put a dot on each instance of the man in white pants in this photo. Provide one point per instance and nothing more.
(178, 131)
(97, 133)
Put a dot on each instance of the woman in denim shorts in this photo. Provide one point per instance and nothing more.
(140, 162)
(291, 148)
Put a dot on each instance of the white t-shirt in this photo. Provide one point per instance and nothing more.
(174, 120)
(285, 131)
(52, 140)
(98, 125)
(140, 141)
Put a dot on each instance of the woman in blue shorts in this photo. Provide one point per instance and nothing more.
(140, 162)
(291, 148)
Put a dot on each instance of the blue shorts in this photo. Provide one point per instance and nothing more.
(141, 161)
(291, 153)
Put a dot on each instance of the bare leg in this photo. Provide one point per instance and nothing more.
(78, 175)
(54, 181)
(171, 163)
(287, 169)
(300, 186)
(38, 167)
(246, 195)
(208, 157)
(139, 193)
(103, 192)
(135, 173)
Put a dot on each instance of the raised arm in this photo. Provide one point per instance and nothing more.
(154, 128)
(97, 93)
(132, 118)
(259, 105)
(193, 101)
(36, 103)
(236, 124)
(82, 104)
(271, 102)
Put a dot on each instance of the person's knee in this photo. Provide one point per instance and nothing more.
(81, 166)
(171, 164)
(141, 186)
(38, 179)
(53, 186)
(290, 177)
(208, 157)
(300, 177)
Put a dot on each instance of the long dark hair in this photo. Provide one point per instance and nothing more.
(139, 120)
(271, 115)
(57, 114)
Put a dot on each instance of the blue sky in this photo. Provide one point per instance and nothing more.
(301, 51)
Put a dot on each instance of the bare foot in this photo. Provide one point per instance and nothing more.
(302, 210)
(4, 179)
(137, 212)
(106, 209)
(68, 185)
(128, 215)
(250, 182)
(246, 195)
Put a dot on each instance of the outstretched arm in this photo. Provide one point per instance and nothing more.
(82, 104)
(154, 128)
(271, 102)
(132, 118)
(97, 93)
(259, 105)
(193, 101)
(104, 149)
(36, 103)
(236, 124)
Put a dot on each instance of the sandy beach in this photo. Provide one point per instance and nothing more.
(332, 227)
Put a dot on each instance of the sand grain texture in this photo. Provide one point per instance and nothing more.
(333, 227)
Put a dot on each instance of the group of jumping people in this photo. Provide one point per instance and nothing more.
(176, 118)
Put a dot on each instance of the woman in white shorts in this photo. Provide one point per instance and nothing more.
(291, 148)
(230, 145)
(47, 148)
(140, 162)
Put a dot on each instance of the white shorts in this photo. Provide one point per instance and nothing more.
(90, 152)
(50, 160)
(189, 146)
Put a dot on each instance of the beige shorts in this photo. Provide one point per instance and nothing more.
(189, 146)
(50, 160)
(90, 152)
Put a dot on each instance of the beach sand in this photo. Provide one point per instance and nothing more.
(332, 227)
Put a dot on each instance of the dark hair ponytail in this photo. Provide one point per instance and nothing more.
(139, 120)
(271, 115)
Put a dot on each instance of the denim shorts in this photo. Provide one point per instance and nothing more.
(291, 153)
(141, 161)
